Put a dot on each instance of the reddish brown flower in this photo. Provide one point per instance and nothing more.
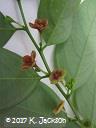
(57, 76)
(39, 24)
(59, 108)
(29, 61)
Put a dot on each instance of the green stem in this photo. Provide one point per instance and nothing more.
(44, 59)
(21, 10)
(67, 99)
(19, 28)
(41, 70)
(39, 50)
(44, 47)
(44, 77)
(61, 90)
(45, 62)
(25, 23)
(31, 37)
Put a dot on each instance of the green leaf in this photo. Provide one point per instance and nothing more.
(79, 59)
(15, 84)
(9, 19)
(41, 102)
(60, 17)
(72, 125)
(6, 30)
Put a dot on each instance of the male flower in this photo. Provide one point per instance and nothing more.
(29, 61)
(57, 76)
(39, 24)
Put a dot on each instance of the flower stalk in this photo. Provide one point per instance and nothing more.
(40, 50)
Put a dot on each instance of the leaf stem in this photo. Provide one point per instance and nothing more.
(44, 47)
(45, 62)
(19, 28)
(42, 77)
(44, 72)
(21, 10)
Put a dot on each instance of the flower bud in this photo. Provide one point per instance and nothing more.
(70, 84)
(59, 108)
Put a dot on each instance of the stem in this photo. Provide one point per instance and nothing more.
(44, 60)
(21, 10)
(39, 50)
(25, 23)
(19, 29)
(44, 76)
(67, 99)
(19, 24)
(76, 115)
(41, 70)
(31, 37)
(44, 47)
(61, 90)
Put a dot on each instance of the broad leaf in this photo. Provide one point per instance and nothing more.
(40, 103)
(15, 83)
(60, 17)
(72, 125)
(79, 59)
(6, 30)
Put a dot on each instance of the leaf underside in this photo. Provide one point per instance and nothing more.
(60, 17)
(79, 53)
(6, 30)
(40, 103)
(15, 83)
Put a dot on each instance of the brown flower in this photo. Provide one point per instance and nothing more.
(39, 24)
(57, 76)
(59, 108)
(29, 61)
